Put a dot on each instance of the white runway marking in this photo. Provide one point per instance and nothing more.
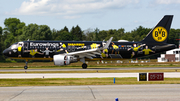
(81, 75)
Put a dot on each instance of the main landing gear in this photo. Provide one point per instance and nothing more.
(84, 65)
(26, 67)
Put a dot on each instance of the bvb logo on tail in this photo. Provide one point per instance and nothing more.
(159, 34)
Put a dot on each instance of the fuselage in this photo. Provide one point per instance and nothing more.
(45, 50)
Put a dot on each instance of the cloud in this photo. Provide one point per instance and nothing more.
(70, 8)
(165, 4)
(168, 1)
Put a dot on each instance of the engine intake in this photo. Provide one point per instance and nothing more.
(61, 60)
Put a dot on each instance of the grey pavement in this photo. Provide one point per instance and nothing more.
(157, 92)
(88, 69)
(81, 75)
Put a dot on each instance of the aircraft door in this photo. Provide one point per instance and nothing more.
(25, 49)
(20, 48)
(26, 46)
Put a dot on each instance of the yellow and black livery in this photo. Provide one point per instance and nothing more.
(156, 40)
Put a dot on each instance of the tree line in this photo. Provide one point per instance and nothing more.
(15, 31)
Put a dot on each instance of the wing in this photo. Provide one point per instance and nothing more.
(91, 52)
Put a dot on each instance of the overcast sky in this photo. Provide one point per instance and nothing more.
(102, 14)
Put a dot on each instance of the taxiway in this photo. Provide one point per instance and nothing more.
(158, 92)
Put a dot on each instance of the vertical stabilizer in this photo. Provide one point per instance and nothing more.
(159, 34)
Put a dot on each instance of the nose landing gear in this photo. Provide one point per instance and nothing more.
(26, 67)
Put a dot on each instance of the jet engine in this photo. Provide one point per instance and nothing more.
(61, 60)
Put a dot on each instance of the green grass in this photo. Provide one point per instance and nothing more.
(86, 81)
(91, 64)
(81, 81)
(93, 71)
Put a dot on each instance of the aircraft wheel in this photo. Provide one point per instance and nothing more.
(25, 67)
(84, 65)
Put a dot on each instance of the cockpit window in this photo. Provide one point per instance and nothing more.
(14, 46)
(20, 44)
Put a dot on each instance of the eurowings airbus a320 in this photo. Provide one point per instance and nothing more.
(66, 52)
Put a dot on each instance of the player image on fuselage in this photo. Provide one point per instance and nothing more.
(147, 51)
(47, 53)
(115, 48)
(135, 49)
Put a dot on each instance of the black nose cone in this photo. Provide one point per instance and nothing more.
(5, 52)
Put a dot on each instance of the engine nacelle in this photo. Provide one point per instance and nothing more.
(61, 60)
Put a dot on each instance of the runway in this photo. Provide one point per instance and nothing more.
(81, 75)
(159, 92)
(88, 69)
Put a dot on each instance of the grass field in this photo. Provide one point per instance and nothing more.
(86, 81)
(81, 81)
(91, 64)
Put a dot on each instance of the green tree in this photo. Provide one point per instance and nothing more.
(11, 25)
(76, 33)
(91, 35)
(12, 31)
(110, 32)
(29, 32)
(54, 34)
(1, 33)
(142, 32)
(36, 32)
(44, 32)
(88, 35)
(173, 35)
(96, 32)
(127, 36)
(118, 34)
(102, 35)
(137, 34)
(65, 29)
(14, 26)
(63, 36)
(1, 43)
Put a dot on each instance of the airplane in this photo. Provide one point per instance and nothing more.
(66, 52)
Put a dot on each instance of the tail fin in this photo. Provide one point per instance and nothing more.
(159, 34)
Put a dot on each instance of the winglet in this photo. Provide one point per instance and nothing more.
(108, 43)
